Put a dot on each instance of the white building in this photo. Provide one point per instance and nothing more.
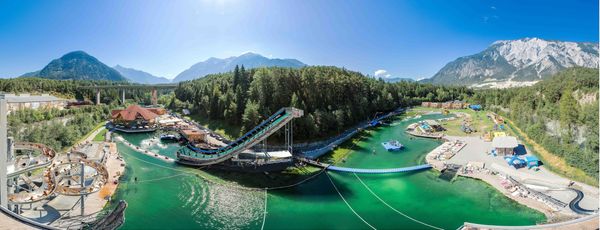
(28, 101)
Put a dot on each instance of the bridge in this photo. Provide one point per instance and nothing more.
(154, 89)
(364, 171)
(191, 155)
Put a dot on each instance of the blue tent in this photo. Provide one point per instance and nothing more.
(475, 107)
(532, 161)
(515, 161)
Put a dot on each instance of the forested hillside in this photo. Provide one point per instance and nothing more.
(58, 129)
(333, 99)
(69, 89)
(560, 113)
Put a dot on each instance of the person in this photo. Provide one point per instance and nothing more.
(135, 179)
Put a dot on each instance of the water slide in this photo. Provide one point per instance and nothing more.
(191, 155)
(55, 180)
(26, 164)
(574, 204)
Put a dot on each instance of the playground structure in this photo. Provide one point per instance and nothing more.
(191, 155)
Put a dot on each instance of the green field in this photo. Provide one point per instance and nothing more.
(101, 135)
(480, 123)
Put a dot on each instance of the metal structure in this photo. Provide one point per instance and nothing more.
(191, 155)
(3, 152)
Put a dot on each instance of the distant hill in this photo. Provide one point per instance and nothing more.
(398, 79)
(248, 60)
(139, 76)
(77, 65)
(517, 62)
(31, 74)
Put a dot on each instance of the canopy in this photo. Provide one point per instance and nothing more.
(475, 107)
(531, 158)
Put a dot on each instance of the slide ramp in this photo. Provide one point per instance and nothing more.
(191, 155)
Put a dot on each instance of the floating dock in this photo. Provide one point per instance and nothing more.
(392, 145)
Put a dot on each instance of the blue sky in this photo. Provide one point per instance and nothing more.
(405, 38)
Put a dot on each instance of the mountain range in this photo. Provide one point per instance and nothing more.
(519, 62)
(139, 76)
(504, 63)
(248, 60)
(77, 65)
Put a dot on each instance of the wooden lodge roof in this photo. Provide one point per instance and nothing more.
(132, 112)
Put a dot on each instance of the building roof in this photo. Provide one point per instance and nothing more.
(132, 112)
(192, 132)
(24, 98)
(505, 142)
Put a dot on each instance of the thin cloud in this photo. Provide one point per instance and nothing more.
(382, 73)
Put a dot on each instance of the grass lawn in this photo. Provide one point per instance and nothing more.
(224, 129)
(99, 125)
(101, 135)
(479, 121)
(346, 148)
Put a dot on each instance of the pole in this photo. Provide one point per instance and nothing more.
(82, 185)
(3, 152)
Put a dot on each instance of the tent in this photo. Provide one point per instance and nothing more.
(476, 107)
(532, 161)
(515, 161)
